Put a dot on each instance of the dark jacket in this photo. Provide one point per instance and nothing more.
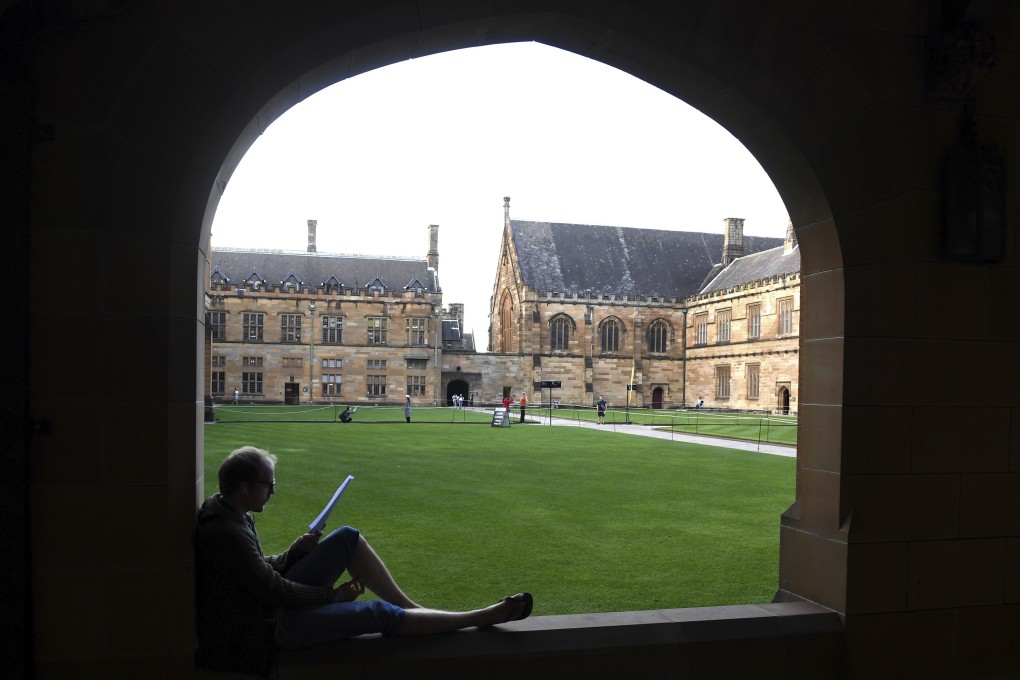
(240, 591)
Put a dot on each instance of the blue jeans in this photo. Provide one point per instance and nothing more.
(305, 626)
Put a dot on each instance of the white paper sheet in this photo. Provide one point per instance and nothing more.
(320, 522)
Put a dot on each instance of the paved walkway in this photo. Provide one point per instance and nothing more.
(647, 431)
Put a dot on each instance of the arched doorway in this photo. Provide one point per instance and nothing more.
(783, 403)
(460, 387)
(657, 394)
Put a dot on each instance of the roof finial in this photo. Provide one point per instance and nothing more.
(506, 209)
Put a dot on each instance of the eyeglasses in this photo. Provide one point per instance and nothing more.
(271, 485)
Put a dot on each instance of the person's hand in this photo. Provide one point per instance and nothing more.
(348, 592)
(308, 542)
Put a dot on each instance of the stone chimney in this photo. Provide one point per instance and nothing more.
(311, 235)
(433, 256)
(733, 239)
(791, 237)
(506, 210)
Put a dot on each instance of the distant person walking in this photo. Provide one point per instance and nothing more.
(235, 395)
(407, 408)
(601, 405)
(507, 400)
(524, 405)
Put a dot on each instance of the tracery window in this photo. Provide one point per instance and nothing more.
(560, 334)
(658, 337)
(506, 321)
(610, 336)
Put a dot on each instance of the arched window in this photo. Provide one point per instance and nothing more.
(506, 322)
(658, 337)
(560, 334)
(610, 336)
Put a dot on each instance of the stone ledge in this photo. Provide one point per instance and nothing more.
(645, 642)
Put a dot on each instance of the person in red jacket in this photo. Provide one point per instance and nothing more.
(249, 604)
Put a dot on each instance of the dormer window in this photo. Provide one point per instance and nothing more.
(376, 287)
(416, 286)
(254, 280)
(332, 285)
(291, 283)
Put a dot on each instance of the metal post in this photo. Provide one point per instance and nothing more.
(311, 350)
(683, 358)
(435, 382)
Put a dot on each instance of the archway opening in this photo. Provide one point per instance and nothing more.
(507, 389)
(459, 388)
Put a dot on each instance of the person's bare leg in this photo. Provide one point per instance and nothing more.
(431, 621)
(368, 568)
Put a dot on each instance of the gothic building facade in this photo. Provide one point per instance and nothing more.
(647, 317)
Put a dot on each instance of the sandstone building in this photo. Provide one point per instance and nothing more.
(314, 327)
(742, 331)
(674, 315)
(596, 308)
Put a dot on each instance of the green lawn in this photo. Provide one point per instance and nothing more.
(587, 520)
(747, 426)
(775, 429)
(328, 413)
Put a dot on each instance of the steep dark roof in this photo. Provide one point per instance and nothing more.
(451, 330)
(314, 269)
(619, 260)
(773, 262)
(455, 335)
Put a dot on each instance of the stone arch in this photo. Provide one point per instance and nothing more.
(164, 166)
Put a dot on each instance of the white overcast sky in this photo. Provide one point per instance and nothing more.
(442, 139)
